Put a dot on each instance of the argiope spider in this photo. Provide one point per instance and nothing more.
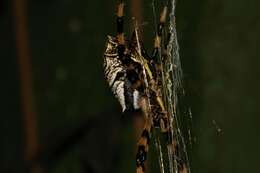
(135, 80)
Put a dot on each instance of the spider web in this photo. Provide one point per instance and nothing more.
(172, 90)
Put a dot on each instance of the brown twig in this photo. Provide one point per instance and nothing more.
(24, 65)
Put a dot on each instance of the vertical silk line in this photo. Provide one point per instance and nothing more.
(176, 87)
(159, 149)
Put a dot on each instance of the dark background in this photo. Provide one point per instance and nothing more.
(79, 125)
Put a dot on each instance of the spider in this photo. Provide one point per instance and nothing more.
(134, 78)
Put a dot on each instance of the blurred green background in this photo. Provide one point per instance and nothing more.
(79, 125)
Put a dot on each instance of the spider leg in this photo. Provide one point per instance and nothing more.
(158, 37)
(120, 22)
(120, 29)
(143, 143)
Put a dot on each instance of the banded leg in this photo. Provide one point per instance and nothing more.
(120, 29)
(143, 143)
(142, 149)
(164, 116)
(158, 37)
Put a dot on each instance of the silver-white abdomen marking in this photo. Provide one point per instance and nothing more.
(115, 72)
(118, 90)
(136, 98)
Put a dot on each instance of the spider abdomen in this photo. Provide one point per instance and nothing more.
(123, 81)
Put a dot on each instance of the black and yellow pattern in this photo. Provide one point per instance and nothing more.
(135, 79)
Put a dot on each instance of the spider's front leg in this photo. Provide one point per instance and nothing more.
(159, 31)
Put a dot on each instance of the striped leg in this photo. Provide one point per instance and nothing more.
(120, 30)
(143, 142)
(157, 40)
(142, 150)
